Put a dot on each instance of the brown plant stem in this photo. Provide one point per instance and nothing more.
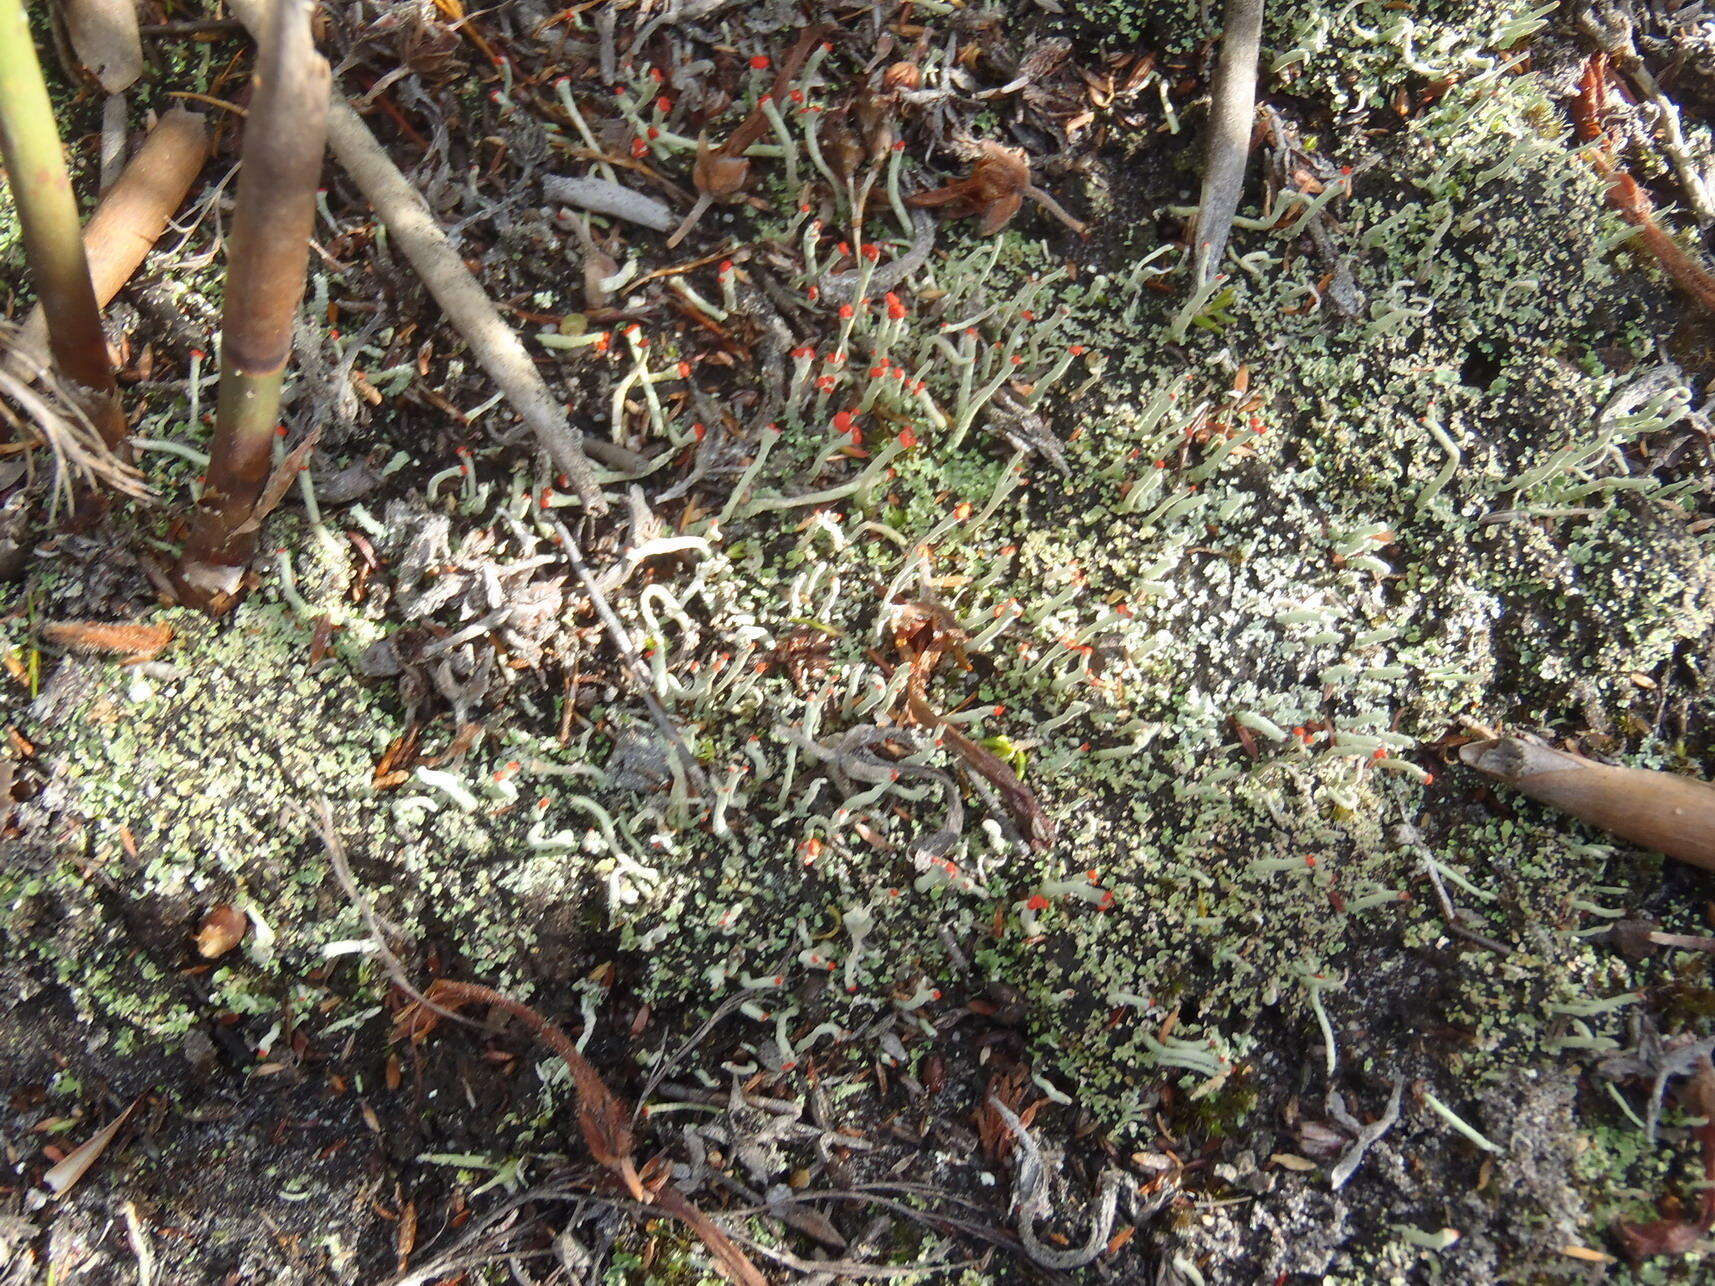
(47, 215)
(1658, 810)
(1626, 196)
(131, 217)
(285, 135)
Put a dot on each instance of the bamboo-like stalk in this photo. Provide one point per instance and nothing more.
(131, 216)
(47, 216)
(1659, 810)
(285, 135)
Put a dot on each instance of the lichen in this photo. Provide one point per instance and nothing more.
(1288, 551)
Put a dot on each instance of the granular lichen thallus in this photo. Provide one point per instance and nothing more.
(1008, 675)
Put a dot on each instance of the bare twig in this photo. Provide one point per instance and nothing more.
(1030, 1200)
(1348, 1164)
(1231, 114)
(1615, 38)
(664, 1066)
(606, 1127)
(320, 818)
(1452, 914)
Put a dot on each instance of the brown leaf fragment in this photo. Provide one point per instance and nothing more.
(135, 642)
(925, 633)
(280, 481)
(222, 929)
(406, 1240)
(394, 766)
(1662, 1237)
(76, 1163)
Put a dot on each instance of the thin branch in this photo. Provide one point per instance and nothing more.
(1658, 810)
(320, 818)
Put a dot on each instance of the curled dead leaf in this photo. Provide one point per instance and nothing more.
(222, 929)
(104, 35)
(994, 189)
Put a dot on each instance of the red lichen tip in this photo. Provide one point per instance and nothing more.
(759, 62)
(1037, 902)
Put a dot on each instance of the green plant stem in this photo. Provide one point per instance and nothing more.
(239, 461)
(47, 215)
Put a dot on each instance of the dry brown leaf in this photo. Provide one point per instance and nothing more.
(65, 1175)
(280, 481)
(995, 189)
(139, 642)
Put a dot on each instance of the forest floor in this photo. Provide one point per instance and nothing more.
(1026, 841)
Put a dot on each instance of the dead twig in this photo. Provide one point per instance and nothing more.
(633, 662)
(320, 818)
(1626, 196)
(605, 1124)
